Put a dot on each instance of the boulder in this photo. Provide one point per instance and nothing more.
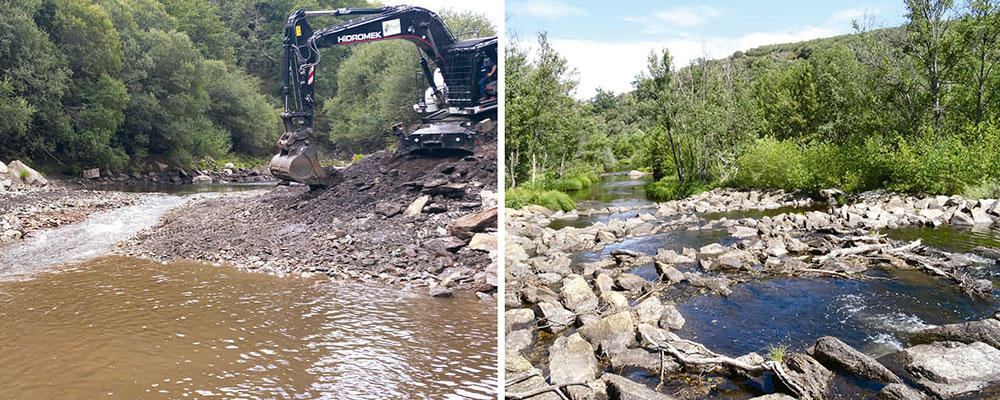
(440, 291)
(808, 374)
(980, 216)
(518, 318)
(518, 341)
(488, 199)
(671, 318)
(949, 369)
(93, 173)
(834, 353)
(201, 180)
(556, 318)
(604, 283)
(961, 219)
(621, 388)
(741, 232)
(632, 282)
(3, 169)
(26, 175)
(713, 249)
(483, 242)
(649, 311)
(642, 359)
(417, 206)
(388, 209)
(672, 274)
(986, 331)
(616, 300)
(899, 391)
(468, 225)
(571, 359)
(611, 334)
(577, 295)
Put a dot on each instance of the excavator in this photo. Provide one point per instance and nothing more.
(454, 102)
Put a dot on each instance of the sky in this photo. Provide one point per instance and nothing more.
(608, 42)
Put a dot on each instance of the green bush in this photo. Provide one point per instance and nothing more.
(520, 197)
(669, 189)
(556, 200)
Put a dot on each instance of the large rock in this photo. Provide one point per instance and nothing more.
(671, 318)
(621, 388)
(836, 354)
(899, 391)
(201, 180)
(632, 282)
(468, 225)
(556, 318)
(649, 311)
(949, 369)
(809, 374)
(612, 333)
(961, 219)
(518, 318)
(571, 360)
(92, 173)
(577, 295)
(518, 341)
(25, 174)
(986, 331)
(3, 169)
(484, 242)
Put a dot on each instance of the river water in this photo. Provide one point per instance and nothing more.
(76, 326)
(874, 316)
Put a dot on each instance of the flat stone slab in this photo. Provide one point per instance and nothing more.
(949, 369)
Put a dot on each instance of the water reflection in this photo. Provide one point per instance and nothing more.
(132, 328)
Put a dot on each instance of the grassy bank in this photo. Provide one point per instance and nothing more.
(551, 192)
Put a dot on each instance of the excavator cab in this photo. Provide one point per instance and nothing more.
(458, 102)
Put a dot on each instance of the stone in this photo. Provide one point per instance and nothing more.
(809, 374)
(417, 206)
(741, 232)
(949, 369)
(92, 173)
(962, 219)
(488, 199)
(466, 226)
(577, 295)
(671, 318)
(26, 174)
(5, 183)
(671, 257)
(201, 180)
(440, 291)
(672, 274)
(616, 300)
(649, 311)
(632, 282)
(604, 237)
(986, 331)
(161, 166)
(3, 168)
(388, 209)
(899, 391)
(980, 216)
(621, 388)
(484, 242)
(518, 318)
(556, 318)
(604, 283)
(518, 341)
(713, 249)
(774, 396)
(571, 359)
(834, 353)
(642, 359)
(229, 165)
(611, 334)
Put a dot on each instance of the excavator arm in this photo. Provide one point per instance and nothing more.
(296, 160)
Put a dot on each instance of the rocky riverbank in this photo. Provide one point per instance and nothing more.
(606, 320)
(175, 176)
(399, 219)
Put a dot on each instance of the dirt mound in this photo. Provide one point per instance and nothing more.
(355, 229)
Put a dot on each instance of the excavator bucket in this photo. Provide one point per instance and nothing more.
(297, 161)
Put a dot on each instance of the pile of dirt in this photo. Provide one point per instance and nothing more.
(359, 228)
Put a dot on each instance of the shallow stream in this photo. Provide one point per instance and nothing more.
(76, 326)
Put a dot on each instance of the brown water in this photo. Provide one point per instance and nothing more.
(117, 327)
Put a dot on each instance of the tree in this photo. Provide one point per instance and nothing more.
(931, 39)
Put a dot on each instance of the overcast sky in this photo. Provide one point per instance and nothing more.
(608, 42)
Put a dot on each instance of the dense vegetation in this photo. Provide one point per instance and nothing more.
(913, 108)
(114, 83)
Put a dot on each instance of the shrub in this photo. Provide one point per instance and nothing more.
(520, 197)
(669, 188)
(772, 163)
(556, 200)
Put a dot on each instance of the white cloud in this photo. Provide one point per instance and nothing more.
(687, 16)
(851, 14)
(492, 9)
(614, 65)
(549, 9)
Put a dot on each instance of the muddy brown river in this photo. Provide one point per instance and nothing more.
(118, 327)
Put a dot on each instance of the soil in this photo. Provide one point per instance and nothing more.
(354, 229)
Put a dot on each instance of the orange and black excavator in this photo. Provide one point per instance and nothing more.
(462, 88)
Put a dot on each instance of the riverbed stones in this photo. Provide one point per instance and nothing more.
(577, 296)
(710, 250)
(670, 318)
(774, 396)
(92, 173)
(604, 283)
(986, 331)
(981, 217)
(834, 353)
(571, 360)
(899, 391)
(518, 318)
(671, 273)
(484, 242)
(960, 218)
(621, 388)
(201, 180)
(949, 369)
(518, 341)
(649, 311)
(417, 206)
(632, 282)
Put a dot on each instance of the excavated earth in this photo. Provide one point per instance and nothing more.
(385, 218)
